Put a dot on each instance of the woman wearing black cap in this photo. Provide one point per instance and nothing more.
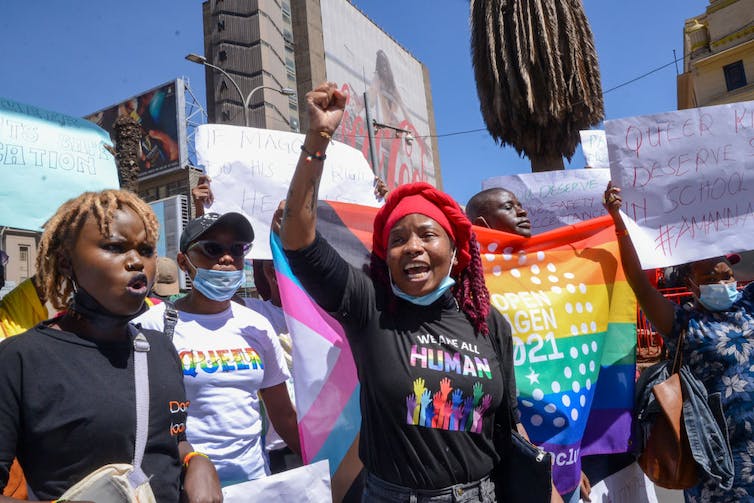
(718, 345)
(420, 328)
(230, 354)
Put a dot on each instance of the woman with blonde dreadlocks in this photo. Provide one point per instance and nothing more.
(67, 393)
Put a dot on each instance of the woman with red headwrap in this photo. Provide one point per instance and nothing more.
(419, 324)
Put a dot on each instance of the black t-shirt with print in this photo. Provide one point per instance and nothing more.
(429, 384)
(67, 407)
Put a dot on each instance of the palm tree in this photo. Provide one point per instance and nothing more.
(537, 75)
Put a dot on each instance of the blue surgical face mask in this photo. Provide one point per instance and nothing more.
(217, 285)
(431, 297)
(718, 296)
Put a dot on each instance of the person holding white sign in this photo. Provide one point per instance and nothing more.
(499, 209)
(718, 346)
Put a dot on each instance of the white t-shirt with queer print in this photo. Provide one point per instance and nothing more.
(226, 358)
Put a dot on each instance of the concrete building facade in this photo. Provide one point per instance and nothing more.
(719, 55)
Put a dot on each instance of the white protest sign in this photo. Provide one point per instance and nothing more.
(687, 181)
(594, 146)
(252, 168)
(306, 484)
(556, 198)
(48, 158)
(628, 485)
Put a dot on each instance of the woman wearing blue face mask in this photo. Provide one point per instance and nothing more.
(230, 354)
(718, 345)
(420, 328)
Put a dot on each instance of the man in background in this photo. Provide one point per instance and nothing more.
(499, 209)
(166, 285)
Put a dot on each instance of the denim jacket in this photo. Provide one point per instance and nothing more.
(702, 417)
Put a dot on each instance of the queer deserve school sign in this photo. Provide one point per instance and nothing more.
(252, 168)
(47, 158)
(556, 198)
(687, 181)
(573, 320)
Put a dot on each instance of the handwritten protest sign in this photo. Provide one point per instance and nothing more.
(251, 170)
(687, 181)
(47, 158)
(556, 198)
(594, 146)
(628, 485)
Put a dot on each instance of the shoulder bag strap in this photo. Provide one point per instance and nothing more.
(677, 360)
(170, 318)
(506, 392)
(141, 378)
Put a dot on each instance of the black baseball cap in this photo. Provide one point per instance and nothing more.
(200, 225)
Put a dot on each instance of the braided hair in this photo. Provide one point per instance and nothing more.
(62, 230)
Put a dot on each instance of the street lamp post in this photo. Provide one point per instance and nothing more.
(285, 91)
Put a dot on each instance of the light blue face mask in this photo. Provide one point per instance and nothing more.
(217, 285)
(719, 296)
(431, 297)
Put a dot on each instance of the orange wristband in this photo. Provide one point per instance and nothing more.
(621, 233)
(190, 455)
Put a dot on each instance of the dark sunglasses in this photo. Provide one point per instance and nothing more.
(213, 249)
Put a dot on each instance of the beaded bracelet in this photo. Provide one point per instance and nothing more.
(190, 455)
(318, 156)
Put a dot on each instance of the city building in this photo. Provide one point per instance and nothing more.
(719, 55)
(719, 68)
(266, 46)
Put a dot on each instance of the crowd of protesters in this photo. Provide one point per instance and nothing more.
(220, 397)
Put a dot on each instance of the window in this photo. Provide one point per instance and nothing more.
(221, 25)
(23, 259)
(222, 56)
(734, 75)
(225, 116)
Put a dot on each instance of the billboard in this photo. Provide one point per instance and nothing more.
(161, 113)
(365, 61)
(172, 215)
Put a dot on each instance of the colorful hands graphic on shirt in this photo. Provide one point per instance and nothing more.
(445, 410)
(445, 387)
(410, 405)
(426, 399)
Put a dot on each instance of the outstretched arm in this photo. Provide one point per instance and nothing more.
(658, 310)
(324, 107)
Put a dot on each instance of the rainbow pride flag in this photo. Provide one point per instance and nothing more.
(573, 322)
(573, 319)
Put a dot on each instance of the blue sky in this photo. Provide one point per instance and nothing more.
(77, 57)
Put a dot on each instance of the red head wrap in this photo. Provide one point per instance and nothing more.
(426, 200)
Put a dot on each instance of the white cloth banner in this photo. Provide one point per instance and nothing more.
(594, 146)
(687, 181)
(628, 485)
(251, 170)
(306, 484)
(556, 198)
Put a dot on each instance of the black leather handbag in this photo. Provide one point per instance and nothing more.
(524, 474)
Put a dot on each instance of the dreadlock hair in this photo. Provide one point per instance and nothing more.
(62, 230)
(470, 290)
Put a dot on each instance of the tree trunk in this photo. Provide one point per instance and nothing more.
(545, 162)
(128, 134)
